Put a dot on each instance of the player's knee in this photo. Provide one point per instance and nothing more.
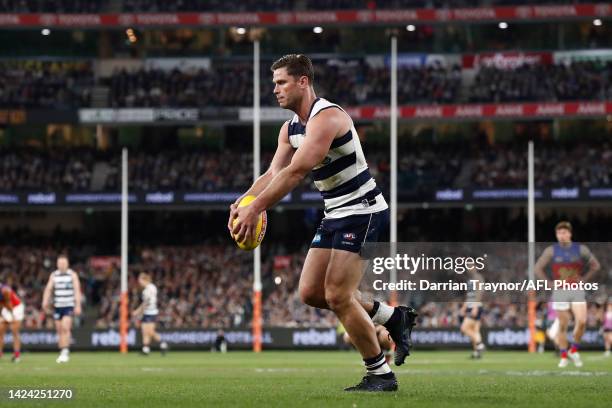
(337, 299)
(311, 297)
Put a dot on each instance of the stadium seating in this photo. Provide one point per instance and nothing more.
(95, 6)
(209, 284)
(51, 6)
(45, 84)
(70, 84)
(421, 168)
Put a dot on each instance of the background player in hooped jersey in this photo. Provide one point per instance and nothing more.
(568, 262)
(321, 138)
(148, 310)
(11, 315)
(65, 287)
(471, 312)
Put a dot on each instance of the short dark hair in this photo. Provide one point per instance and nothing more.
(564, 225)
(298, 65)
(64, 256)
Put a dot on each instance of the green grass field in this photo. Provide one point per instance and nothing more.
(309, 379)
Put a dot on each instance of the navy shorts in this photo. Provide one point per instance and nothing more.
(352, 232)
(468, 313)
(148, 318)
(60, 312)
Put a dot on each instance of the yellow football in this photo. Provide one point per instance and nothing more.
(262, 223)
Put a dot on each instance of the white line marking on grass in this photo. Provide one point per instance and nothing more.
(429, 362)
(585, 373)
(541, 373)
(153, 369)
(438, 372)
(308, 370)
(597, 358)
(531, 373)
(282, 370)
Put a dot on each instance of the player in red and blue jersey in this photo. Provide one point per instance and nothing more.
(11, 315)
(569, 261)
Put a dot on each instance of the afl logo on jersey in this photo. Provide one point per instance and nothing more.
(349, 236)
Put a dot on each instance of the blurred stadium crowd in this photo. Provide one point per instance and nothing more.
(69, 84)
(94, 6)
(51, 6)
(210, 285)
(37, 84)
(423, 169)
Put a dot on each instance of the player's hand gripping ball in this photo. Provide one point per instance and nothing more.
(260, 232)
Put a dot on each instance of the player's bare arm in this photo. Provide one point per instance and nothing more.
(543, 262)
(280, 160)
(6, 296)
(138, 311)
(594, 265)
(76, 282)
(47, 294)
(320, 133)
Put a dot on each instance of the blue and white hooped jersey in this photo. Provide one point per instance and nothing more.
(342, 178)
(63, 289)
(149, 299)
